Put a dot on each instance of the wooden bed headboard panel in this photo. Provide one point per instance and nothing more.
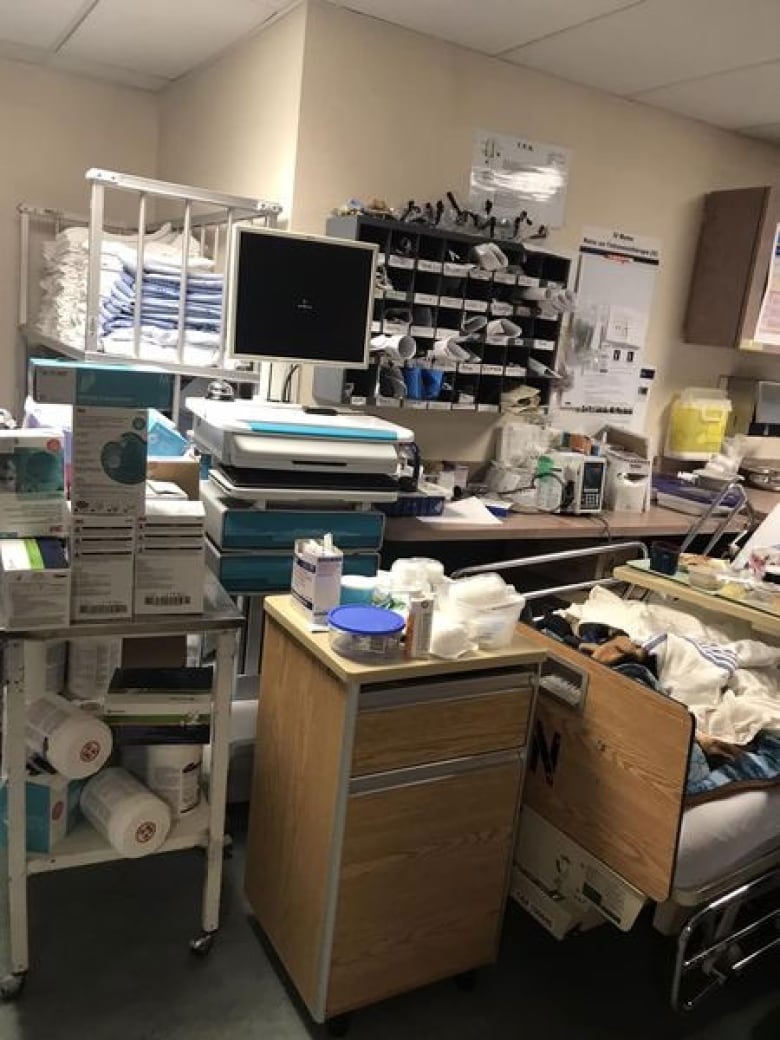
(611, 775)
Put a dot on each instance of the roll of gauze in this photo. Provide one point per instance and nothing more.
(72, 742)
(133, 820)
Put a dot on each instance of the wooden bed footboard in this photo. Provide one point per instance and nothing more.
(610, 771)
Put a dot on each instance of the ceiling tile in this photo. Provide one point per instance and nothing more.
(164, 37)
(766, 132)
(660, 42)
(491, 26)
(744, 97)
(38, 23)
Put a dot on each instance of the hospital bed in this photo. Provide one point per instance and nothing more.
(604, 826)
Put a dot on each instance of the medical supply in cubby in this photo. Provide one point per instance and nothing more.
(171, 771)
(109, 461)
(34, 583)
(316, 577)
(91, 667)
(698, 418)
(72, 741)
(367, 634)
(419, 625)
(32, 483)
(130, 817)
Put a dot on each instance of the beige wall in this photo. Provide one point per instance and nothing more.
(387, 112)
(53, 127)
(233, 125)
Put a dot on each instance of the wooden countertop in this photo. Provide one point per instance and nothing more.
(760, 620)
(284, 611)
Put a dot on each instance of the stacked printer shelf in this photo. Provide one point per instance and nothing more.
(429, 289)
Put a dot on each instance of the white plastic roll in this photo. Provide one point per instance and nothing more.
(133, 821)
(72, 742)
(397, 348)
(172, 771)
(533, 294)
(91, 666)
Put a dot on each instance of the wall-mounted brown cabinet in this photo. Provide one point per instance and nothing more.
(731, 266)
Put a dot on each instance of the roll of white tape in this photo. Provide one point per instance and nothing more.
(133, 821)
(72, 742)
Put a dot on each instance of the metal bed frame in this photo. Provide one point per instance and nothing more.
(215, 230)
(729, 924)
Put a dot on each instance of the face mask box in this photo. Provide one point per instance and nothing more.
(101, 386)
(32, 483)
(52, 810)
(316, 578)
(109, 461)
(34, 584)
(102, 567)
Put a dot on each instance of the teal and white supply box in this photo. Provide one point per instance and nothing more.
(32, 483)
(101, 386)
(109, 461)
(316, 577)
(52, 809)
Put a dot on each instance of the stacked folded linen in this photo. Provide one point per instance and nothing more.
(63, 304)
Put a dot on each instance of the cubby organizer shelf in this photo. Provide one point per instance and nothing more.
(430, 288)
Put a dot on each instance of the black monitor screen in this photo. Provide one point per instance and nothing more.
(301, 299)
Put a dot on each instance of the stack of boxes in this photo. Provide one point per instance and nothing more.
(128, 555)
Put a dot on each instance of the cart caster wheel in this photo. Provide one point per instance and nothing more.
(11, 986)
(339, 1026)
(466, 982)
(201, 946)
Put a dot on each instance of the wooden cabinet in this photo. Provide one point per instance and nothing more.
(731, 265)
(383, 812)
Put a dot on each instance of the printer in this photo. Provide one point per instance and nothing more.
(267, 452)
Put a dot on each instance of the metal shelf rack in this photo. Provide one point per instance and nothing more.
(203, 828)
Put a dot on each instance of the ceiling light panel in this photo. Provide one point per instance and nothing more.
(37, 23)
(490, 26)
(164, 37)
(660, 42)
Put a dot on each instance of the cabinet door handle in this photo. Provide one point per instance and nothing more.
(434, 771)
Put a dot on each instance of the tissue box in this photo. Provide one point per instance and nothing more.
(32, 483)
(102, 567)
(102, 386)
(316, 579)
(52, 810)
(34, 583)
(109, 461)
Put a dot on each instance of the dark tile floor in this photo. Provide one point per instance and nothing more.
(111, 962)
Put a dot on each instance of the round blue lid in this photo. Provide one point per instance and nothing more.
(366, 621)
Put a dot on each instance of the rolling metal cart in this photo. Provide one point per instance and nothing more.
(83, 846)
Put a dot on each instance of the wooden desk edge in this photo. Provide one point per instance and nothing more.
(286, 614)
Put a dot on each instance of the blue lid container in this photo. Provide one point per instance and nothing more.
(365, 621)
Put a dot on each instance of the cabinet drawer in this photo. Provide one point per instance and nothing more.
(423, 883)
(435, 728)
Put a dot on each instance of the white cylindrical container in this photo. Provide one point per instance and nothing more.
(133, 820)
(72, 742)
(172, 771)
(91, 666)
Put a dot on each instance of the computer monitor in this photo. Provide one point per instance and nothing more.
(300, 298)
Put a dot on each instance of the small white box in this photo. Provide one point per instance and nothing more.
(102, 567)
(32, 483)
(109, 461)
(169, 581)
(34, 584)
(316, 578)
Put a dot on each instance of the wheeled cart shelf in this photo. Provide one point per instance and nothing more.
(203, 827)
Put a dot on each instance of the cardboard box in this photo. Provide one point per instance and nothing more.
(109, 461)
(169, 581)
(34, 584)
(32, 483)
(100, 386)
(52, 810)
(102, 566)
(316, 579)
(155, 652)
(185, 472)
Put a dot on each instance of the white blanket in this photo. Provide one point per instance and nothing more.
(729, 682)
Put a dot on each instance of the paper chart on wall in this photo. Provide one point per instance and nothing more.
(516, 174)
(768, 324)
(604, 357)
